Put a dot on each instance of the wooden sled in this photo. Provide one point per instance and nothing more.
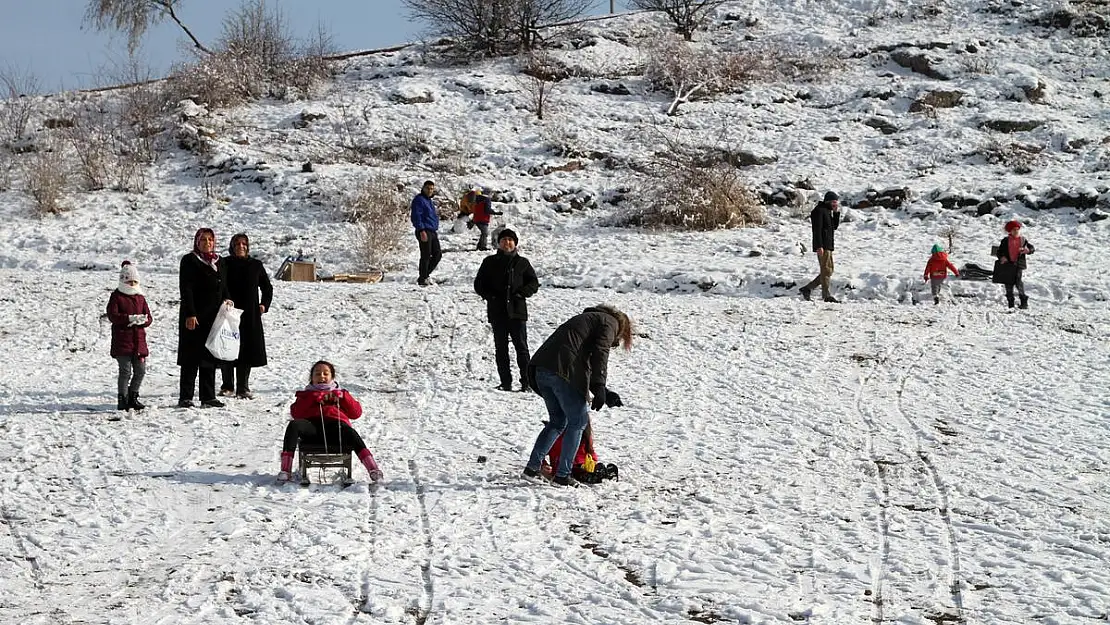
(316, 456)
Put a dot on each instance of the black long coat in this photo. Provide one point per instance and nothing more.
(824, 221)
(505, 280)
(578, 351)
(245, 278)
(203, 290)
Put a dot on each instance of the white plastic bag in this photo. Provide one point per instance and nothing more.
(223, 340)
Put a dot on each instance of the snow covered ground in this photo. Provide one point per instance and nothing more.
(781, 461)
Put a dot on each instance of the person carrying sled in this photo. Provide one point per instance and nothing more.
(321, 415)
(506, 280)
(936, 270)
(1011, 254)
(572, 364)
(480, 208)
(824, 220)
(130, 316)
(586, 469)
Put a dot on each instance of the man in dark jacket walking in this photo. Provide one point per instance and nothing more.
(824, 219)
(505, 280)
(246, 277)
(570, 365)
(425, 221)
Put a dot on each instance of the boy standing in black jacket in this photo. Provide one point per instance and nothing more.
(825, 219)
(505, 280)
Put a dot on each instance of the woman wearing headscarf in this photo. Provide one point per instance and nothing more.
(246, 277)
(202, 279)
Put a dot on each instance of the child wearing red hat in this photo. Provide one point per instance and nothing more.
(1011, 258)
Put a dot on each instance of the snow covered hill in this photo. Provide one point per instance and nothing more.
(781, 461)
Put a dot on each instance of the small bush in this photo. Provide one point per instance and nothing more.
(380, 214)
(17, 103)
(45, 180)
(693, 198)
(1020, 158)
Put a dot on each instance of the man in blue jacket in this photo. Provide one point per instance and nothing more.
(425, 221)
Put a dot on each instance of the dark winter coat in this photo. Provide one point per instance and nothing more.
(505, 280)
(1004, 252)
(128, 340)
(245, 278)
(203, 290)
(578, 351)
(824, 221)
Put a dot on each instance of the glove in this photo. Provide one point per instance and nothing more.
(612, 399)
(136, 320)
(599, 400)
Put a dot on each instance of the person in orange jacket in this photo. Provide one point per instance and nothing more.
(478, 206)
(936, 270)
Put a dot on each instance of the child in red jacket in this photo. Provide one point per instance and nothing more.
(936, 270)
(129, 314)
(322, 415)
(586, 468)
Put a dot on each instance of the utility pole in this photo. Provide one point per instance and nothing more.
(611, 6)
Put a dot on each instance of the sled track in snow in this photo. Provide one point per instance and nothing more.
(949, 561)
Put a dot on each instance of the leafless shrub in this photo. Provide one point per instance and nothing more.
(257, 56)
(540, 71)
(494, 27)
(564, 138)
(686, 191)
(688, 72)
(7, 164)
(950, 233)
(979, 64)
(1020, 158)
(379, 212)
(44, 179)
(91, 141)
(17, 103)
(687, 15)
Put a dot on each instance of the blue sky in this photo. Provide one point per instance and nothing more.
(49, 40)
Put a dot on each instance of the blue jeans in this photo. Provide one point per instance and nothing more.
(568, 415)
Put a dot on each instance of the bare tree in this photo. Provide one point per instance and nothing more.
(134, 17)
(17, 89)
(495, 26)
(687, 15)
(688, 72)
(540, 72)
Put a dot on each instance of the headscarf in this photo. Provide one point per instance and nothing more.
(209, 258)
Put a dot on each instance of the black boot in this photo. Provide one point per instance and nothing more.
(122, 403)
(1009, 301)
(133, 401)
(1024, 302)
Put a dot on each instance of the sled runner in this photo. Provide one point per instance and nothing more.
(317, 456)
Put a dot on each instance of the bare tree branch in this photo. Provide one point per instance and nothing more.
(687, 15)
(134, 17)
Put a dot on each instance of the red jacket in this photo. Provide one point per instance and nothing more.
(310, 404)
(579, 458)
(128, 340)
(938, 266)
